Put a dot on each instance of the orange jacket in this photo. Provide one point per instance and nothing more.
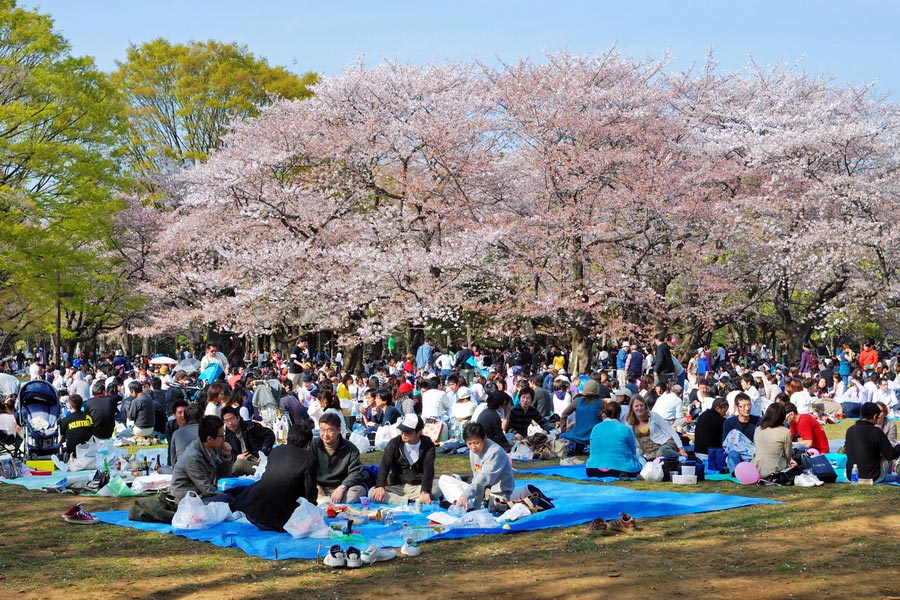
(868, 358)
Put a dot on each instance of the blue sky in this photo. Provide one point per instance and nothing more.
(855, 42)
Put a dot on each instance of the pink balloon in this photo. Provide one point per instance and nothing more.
(746, 473)
(813, 452)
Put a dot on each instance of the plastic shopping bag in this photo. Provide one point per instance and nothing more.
(385, 434)
(261, 466)
(193, 514)
(361, 441)
(307, 521)
(521, 451)
(652, 471)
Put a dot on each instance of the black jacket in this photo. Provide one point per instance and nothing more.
(76, 429)
(102, 410)
(493, 428)
(290, 474)
(662, 360)
(866, 447)
(708, 433)
(395, 465)
(520, 419)
(258, 438)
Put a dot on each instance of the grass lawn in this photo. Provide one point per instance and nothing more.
(835, 541)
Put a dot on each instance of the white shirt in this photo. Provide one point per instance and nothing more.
(444, 362)
(561, 404)
(34, 371)
(411, 451)
(477, 393)
(669, 407)
(7, 423)
(803, 401)
(220, 358)
(435, 404)
(756, 402)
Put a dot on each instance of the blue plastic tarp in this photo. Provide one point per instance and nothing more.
(575, 504)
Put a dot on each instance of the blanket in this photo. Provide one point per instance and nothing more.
(575, 504)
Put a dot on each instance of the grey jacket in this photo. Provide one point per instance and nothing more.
(198, 470)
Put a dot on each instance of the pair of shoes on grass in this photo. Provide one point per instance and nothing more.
(624, 524)
(353, 558)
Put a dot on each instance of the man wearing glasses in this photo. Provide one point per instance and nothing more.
(247, 439)
(207, 459)
(339, 471)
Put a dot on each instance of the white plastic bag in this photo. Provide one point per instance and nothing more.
(652, 471)
(535, 428)
(453, 488)
(361, 441)
(150, 483)
(385, 434)
(261, 466)
(307, 521)
(193, 514)
(521, 451)
(515, 512)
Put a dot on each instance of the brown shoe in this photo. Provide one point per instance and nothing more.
(598, 525)
(624, 523)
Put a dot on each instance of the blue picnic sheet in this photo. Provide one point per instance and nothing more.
(575, 504)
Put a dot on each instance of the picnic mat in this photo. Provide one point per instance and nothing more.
(575, 504)
(578, 472)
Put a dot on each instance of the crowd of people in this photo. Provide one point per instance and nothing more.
(635, 406)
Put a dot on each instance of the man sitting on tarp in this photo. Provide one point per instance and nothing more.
(338, 468)
(408, 461)
(205, 461)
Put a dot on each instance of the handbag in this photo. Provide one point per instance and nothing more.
(821, 468)
(434, 430)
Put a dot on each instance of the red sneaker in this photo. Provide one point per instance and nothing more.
(77, 514)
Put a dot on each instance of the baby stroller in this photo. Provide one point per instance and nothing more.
(212, 373)
(266, 395)
(38, 411)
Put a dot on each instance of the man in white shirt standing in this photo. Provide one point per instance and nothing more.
(213, 355)
(749, 387)
(435, 403)
(34, 371)
(669, 405)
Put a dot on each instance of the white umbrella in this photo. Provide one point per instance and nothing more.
(9, 385)
(163, 360)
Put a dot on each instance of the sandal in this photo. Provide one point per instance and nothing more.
(624, 523)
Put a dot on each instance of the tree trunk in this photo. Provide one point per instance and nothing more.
(581, 351)
(416, 337)
(353, 360)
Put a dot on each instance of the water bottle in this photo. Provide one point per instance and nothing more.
(417, 507)
(854, 475)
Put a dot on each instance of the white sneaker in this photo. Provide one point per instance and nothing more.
(410, 548)
(374, 554)
(335, 557)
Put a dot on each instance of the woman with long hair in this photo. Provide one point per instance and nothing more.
(772, 441)
(654, 436)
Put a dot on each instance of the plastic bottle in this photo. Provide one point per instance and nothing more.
(106, 466)
(854, 475)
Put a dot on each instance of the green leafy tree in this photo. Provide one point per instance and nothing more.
(181, 98)
(60, 122)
